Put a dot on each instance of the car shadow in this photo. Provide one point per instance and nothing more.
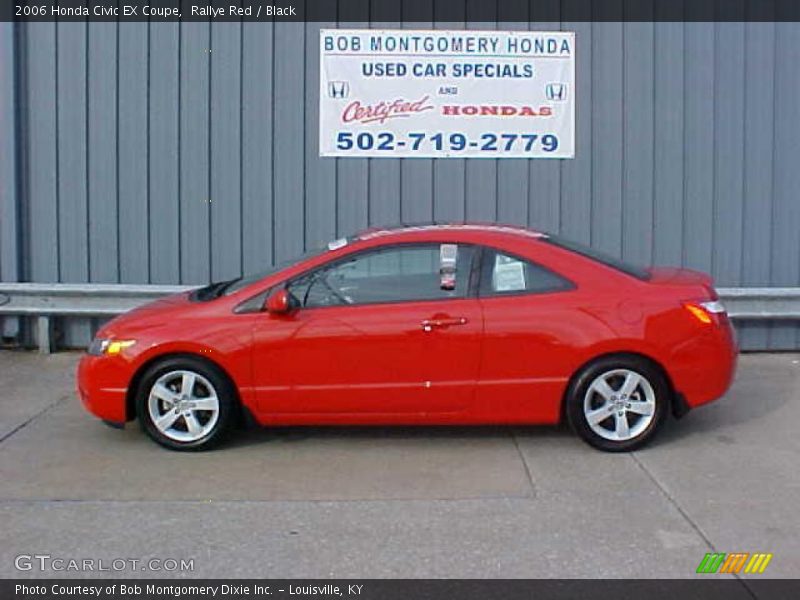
(251, 435)
(764, 386)
(753, 396)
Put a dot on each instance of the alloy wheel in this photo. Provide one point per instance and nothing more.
(619, 405)
(183, 405)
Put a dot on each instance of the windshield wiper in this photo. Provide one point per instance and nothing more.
(214, 290)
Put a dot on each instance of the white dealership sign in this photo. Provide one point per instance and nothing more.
(440, 94)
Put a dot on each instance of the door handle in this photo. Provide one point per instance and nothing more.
(431, 324)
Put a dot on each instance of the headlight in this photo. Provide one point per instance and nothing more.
(100, 346)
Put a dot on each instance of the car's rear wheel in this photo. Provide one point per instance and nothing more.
(185, 404)
(618, 403)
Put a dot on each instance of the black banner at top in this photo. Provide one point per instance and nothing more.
(420, 12)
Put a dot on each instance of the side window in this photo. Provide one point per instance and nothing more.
(394, 274)
(506, 274)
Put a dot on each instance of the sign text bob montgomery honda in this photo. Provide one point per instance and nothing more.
(447, 94)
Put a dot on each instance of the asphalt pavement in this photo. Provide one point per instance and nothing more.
(396, 502)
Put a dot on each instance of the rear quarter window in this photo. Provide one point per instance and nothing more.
(506, 274)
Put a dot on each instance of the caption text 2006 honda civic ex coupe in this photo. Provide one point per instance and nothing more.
(434, 324)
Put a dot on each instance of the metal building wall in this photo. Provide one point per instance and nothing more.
(182, 153)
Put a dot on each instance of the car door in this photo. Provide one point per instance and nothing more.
(376, 333)
(527, 312)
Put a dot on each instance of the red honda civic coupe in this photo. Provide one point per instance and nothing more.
(436, 324)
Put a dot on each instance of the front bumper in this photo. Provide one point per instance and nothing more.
(102, 387)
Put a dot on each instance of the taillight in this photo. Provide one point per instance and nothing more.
(715, 307)
(707, 312)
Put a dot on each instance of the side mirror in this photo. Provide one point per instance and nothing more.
(280, 302)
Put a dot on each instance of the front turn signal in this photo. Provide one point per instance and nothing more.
(109, 347)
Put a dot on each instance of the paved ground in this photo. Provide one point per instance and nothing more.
(401, 502)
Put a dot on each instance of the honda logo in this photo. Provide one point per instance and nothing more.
(556, 91)
(338, 89)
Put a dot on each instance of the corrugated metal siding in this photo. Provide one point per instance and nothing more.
(180, 153)
(9, 213)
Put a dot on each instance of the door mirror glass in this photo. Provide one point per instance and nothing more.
(280, 302)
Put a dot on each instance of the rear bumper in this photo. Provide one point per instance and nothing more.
(703, 368)
(102, 387)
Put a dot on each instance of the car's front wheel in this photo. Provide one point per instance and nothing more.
(618, 403)
(184, 403)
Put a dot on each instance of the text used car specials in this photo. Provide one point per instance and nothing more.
(447, 94)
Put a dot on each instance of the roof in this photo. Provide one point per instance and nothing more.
(373, 233)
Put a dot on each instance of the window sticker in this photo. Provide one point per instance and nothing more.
(509, 274)
(447, 266)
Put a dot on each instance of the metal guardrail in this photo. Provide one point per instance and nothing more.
(761, 303)
(48, 300)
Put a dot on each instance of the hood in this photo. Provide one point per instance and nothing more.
(148, 315)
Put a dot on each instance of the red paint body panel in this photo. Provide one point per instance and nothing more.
(367, 359)
(509, 359)
(99, 388)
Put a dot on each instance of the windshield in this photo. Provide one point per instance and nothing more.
(231, 286)
(601, 257)
(235, 285)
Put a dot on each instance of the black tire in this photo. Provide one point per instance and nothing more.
(226, 414)
(613, 367)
